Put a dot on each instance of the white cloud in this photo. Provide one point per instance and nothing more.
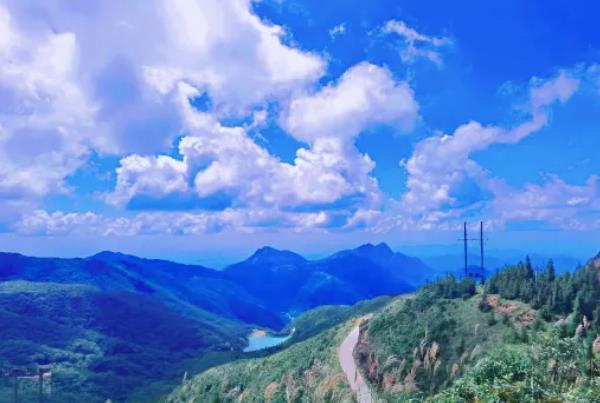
(225, 163)
(226, 49)
(441, 173)
(338, 30)
(41, 222)
(554, 202)
(156, 176)
(118, 78)
(102, 76)
(43, 112)
(416, 45)
(366, 94)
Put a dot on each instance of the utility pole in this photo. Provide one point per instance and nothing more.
(15, 387)
(481, 247)
(44, 371)
(481, 240)
(465, 245)
(41, 385)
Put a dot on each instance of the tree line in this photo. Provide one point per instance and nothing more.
(550, 294)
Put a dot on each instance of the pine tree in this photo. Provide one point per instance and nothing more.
(550, 272)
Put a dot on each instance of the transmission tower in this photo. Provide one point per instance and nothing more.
(465, 239)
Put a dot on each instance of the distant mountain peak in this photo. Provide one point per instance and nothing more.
(384, 246)
(268, 254)
(381, 248)
(110, 256)
(267, 250)
(107, 253)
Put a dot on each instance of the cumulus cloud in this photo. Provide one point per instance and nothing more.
(225, 163)
(42, 111)
(103, 75)
(441, 174)
(416, 45)
(130, 79)
(366, 94)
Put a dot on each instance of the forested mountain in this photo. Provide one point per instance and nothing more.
(125, 328)
(407, 268)
(193, 290)
(120, 327)
(552, 295)
(523, 337)
(287, 282)
(100, 344)
(259, 290)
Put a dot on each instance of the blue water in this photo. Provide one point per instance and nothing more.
(256, 343)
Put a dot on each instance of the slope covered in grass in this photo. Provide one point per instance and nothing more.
(450, 342)
(324, 317)
(307, 370)
(417, 346)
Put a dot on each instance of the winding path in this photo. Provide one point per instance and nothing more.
(355, 379)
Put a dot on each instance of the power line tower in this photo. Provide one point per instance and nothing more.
(465, 239)
(481, 251)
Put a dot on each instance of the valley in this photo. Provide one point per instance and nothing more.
(451, 341)
(120, 327)
(366, 324)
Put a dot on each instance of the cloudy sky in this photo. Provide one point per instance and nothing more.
(180, 128)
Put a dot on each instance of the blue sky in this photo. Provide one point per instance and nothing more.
(194, 128)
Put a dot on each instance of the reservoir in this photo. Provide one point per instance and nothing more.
(259, 339)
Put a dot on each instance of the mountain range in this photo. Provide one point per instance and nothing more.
(260, 290)
(525, 335)
(113, 323)
(287, 282)
(125, 328)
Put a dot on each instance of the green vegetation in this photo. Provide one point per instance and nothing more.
(417, 346)
(549, 368)
(322, 318)
(523, 337)
(308, 370)
(552, 295)
(100, 345)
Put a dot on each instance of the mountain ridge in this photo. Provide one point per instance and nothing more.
(290, 283)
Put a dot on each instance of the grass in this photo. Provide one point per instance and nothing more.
(307, 370)
(398, 337)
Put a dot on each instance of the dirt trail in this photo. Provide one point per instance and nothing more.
(355, 379)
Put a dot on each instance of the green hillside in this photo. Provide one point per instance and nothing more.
(525, 336)
(100, 344)
(324, 317)
(194, 291)
(307, 370)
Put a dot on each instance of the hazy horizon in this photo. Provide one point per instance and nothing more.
(219, 256)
